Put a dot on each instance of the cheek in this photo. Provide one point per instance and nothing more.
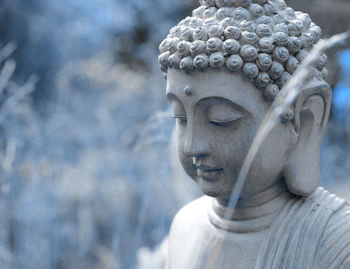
(232, 146)
(269, 162)
(275, 148)
(275, 152)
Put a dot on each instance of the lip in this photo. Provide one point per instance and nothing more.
(206, 168)
(209, 173)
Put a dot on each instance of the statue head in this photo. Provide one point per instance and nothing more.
(224, 66)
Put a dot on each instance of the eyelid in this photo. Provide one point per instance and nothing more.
(225, 120)
(223, 113)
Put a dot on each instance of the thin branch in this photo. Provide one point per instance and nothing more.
(20, 92)
(7, 51)
(6, 74)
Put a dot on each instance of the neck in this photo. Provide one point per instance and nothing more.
(266, 202)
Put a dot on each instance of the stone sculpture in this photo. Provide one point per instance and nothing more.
(224, 66)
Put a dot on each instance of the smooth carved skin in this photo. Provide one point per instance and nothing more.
(216, 124)
(275, 225)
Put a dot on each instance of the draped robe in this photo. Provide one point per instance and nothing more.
(307, 233)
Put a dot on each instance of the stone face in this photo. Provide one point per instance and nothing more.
(217, 114)
(283, 219)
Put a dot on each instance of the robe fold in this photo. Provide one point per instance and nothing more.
(307, 233)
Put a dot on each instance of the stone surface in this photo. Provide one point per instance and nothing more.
(283, 219)
(242, 37)
(333, 17)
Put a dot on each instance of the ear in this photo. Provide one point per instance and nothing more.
(302, 173)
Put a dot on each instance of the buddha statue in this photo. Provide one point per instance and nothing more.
(224, 66)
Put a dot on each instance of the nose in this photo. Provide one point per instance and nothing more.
(196, 143)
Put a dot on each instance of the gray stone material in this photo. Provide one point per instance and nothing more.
(242, 37)
(283, 219)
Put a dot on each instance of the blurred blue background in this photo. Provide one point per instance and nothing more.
(88, 169)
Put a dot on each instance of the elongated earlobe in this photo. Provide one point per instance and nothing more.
(302, 173)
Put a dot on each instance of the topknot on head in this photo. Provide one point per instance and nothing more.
(263, 39)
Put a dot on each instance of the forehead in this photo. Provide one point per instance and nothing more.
(216, 83)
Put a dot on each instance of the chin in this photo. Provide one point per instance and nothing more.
(212, 189)
(210, 193)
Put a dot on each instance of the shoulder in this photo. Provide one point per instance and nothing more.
(190, 217)
(312, 232)
(334, 247)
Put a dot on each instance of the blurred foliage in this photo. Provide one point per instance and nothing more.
(78, 186)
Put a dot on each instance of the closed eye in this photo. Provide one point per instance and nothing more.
(223, 113)
(224, 122)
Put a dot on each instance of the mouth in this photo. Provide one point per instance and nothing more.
(209, 173)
